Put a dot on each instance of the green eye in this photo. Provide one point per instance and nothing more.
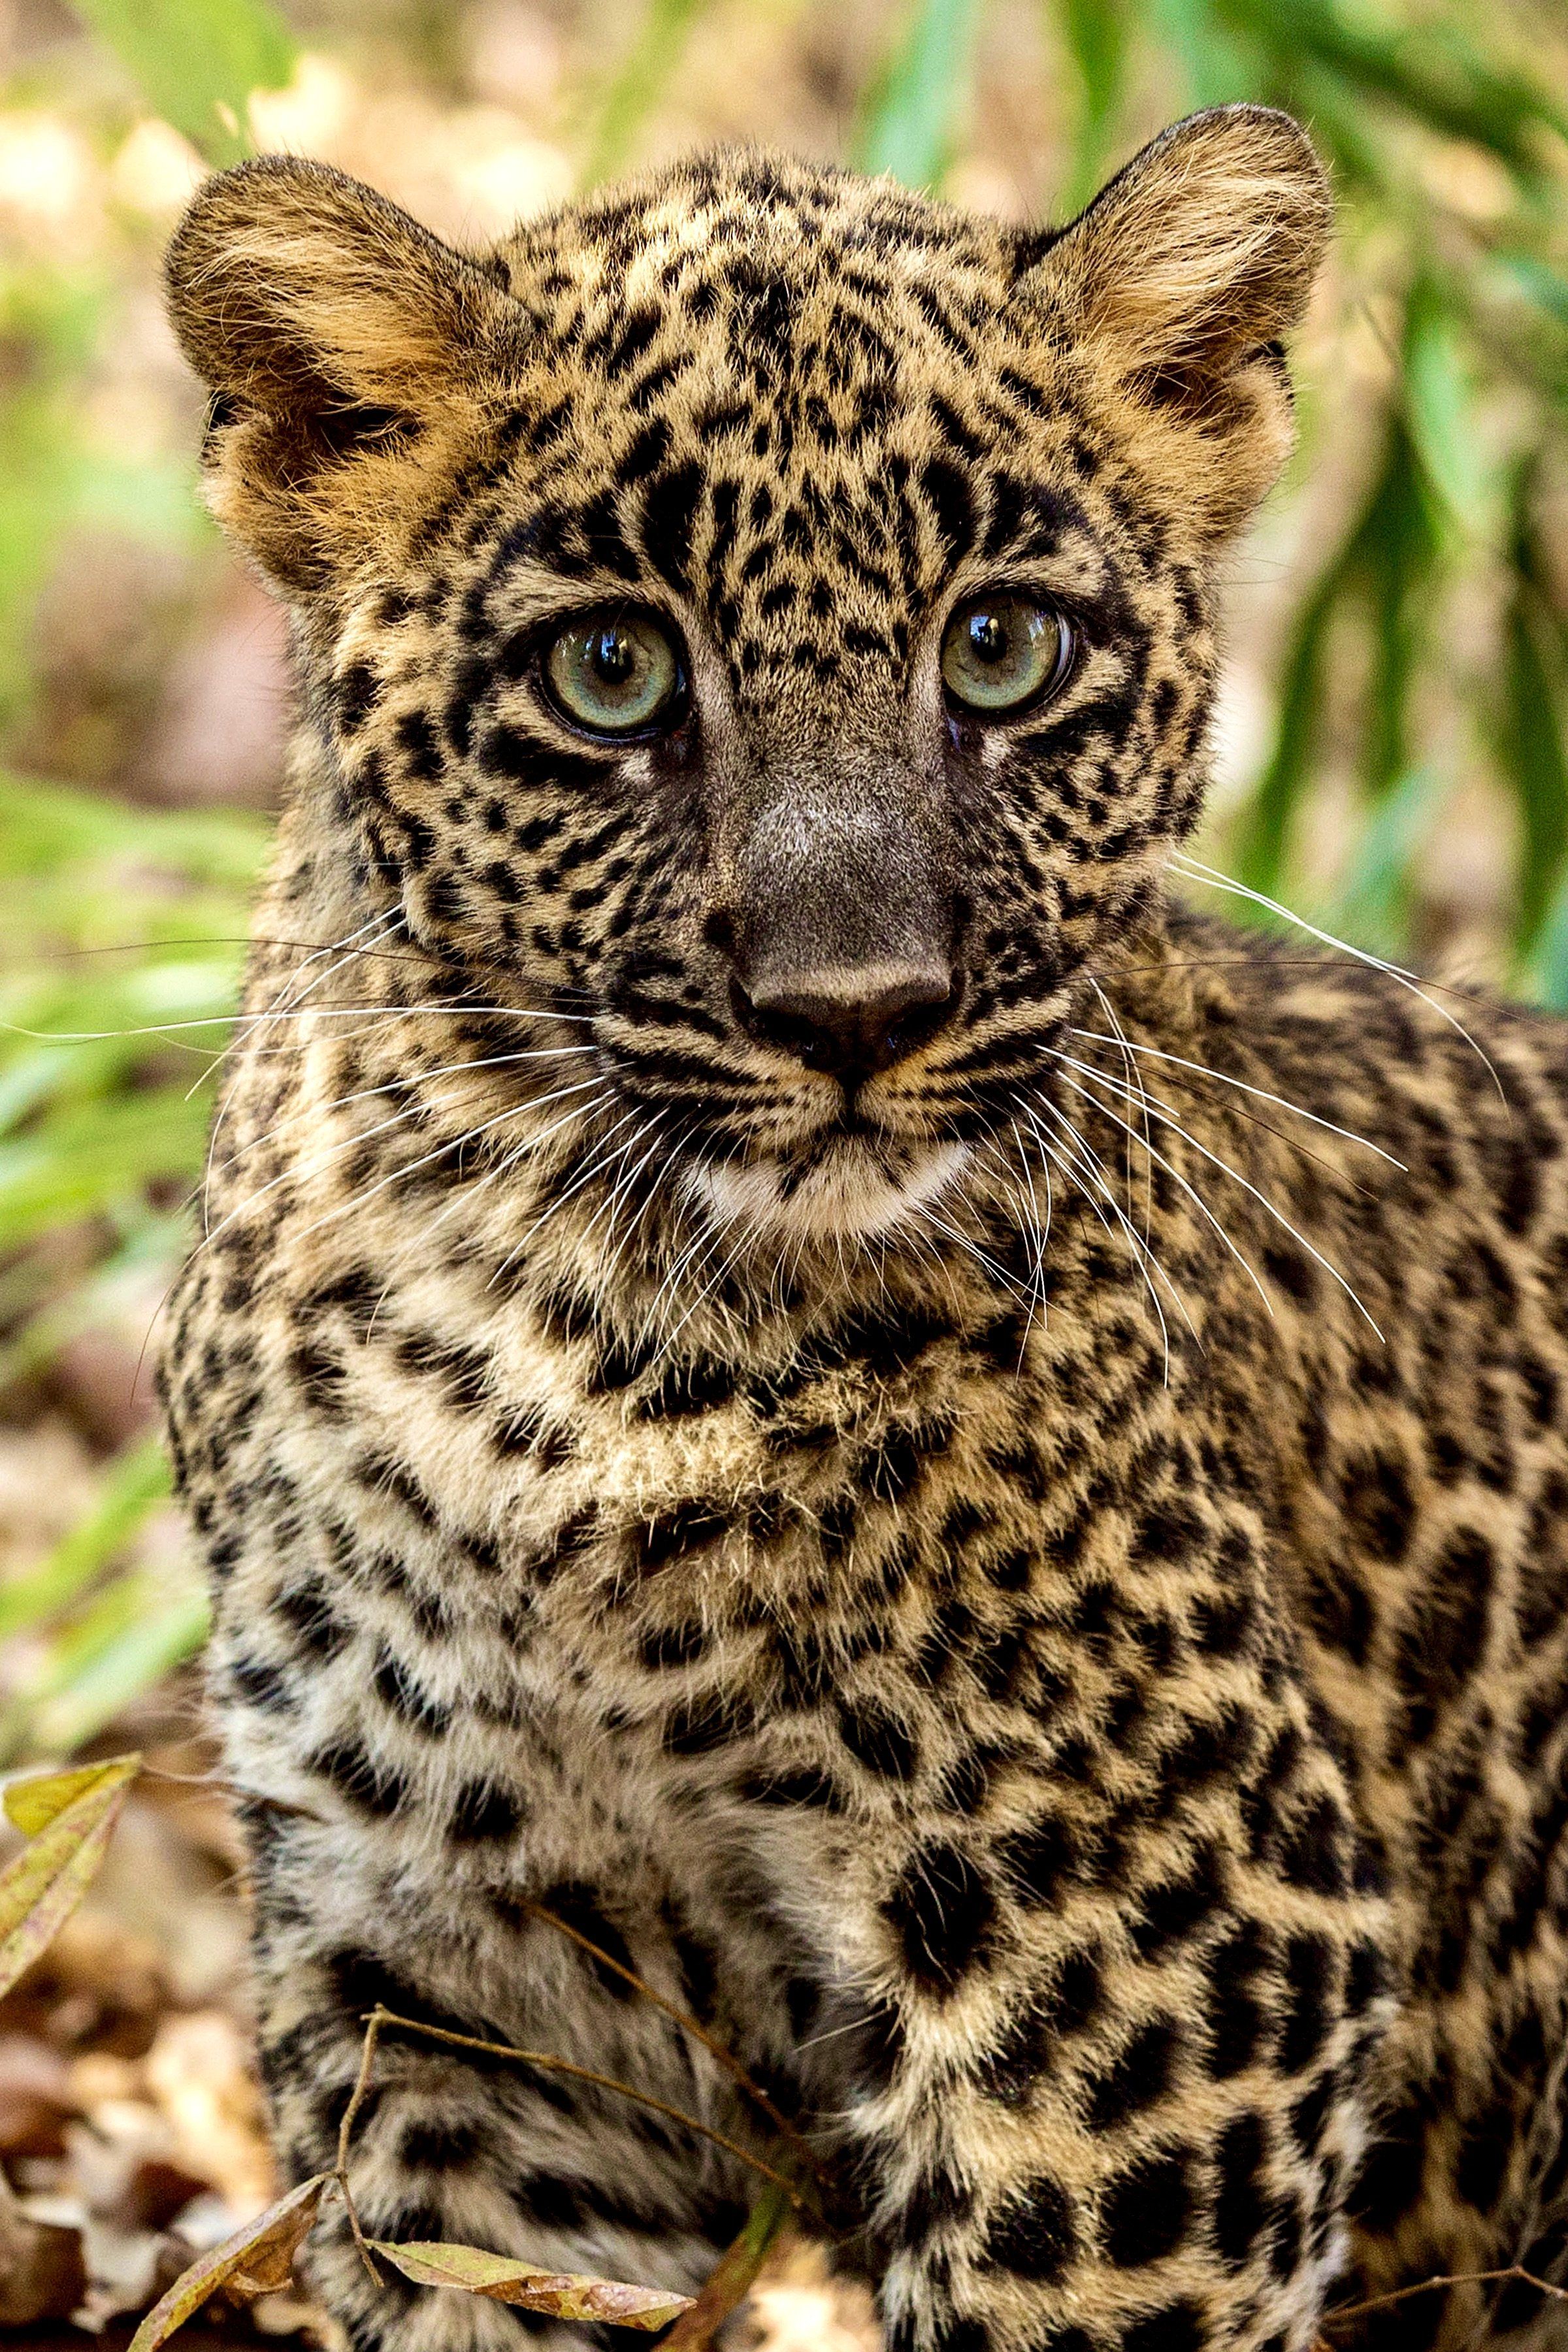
(1001, 652)
(616, 673)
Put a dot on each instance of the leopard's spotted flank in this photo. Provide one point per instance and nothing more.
(742, 1383)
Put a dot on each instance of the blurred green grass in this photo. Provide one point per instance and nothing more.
(120, 925)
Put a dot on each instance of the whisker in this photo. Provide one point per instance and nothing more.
(1162, 1112)
(1161, 1160)
(1144, 1256)
(1194, 869)
(461, 1143)
(400, 1085)
(1131, 1045)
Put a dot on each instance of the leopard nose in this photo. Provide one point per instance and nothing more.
(851, 1024)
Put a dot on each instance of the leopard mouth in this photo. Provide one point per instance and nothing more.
(857, 1183)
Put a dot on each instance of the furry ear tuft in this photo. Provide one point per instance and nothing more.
(328, 326)
(1184, 273)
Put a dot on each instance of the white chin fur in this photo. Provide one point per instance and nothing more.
(850, 1195)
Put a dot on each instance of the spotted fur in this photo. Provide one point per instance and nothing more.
(1027, 1590)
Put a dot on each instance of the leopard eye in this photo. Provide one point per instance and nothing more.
(1003, 652)
(616, 673)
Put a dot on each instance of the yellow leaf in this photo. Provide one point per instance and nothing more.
(41, 1888)
(32, 1805)
(561, 2294)
(257, 2259)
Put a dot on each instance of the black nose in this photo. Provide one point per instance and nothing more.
(849, 1024)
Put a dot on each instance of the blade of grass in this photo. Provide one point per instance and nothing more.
(197, 62)
(636, 88)
(133, 1484)
(913, 121)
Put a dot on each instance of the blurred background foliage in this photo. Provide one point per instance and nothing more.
(1391, 755)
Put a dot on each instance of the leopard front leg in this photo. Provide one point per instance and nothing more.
(1130, 1999)
(451, 2145)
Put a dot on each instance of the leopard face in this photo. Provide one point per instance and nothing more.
(791, 457)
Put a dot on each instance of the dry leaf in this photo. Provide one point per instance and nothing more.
(34, 1802)
(559, 2294)
(41, 2272)
(257, 2259)
(47, 1879)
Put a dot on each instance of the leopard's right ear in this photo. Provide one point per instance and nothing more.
(341, 344)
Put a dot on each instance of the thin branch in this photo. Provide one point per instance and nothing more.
(345, 2132)
(730, 2281)
(385, 2017)
(715, 2049)
(1458, 2278)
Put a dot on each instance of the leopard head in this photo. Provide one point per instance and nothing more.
(763, 614)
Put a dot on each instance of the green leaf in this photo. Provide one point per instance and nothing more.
(41, 1888)
(138, 1630)
(132, 1486)
(1369, 907)
(1096, 34)
(1218, 61)
(914, 119)
(33, 1802)
(197, 62)
(638, 87)
(1439, 410)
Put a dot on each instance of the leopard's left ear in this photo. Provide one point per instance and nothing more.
(344, 347)
(1176, 286)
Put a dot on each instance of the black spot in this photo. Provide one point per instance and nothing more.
(882, 1742)
(1309, 1973)
(677, 1534)
(1139, 2077)
(1147, 2210)
(1241, 2203)
(1040, 1859)
(1034, 2235)
(1173, 1912)
(374, 1787)
(1484, 2151)
(942, 1912)
(947, 492)
(663, 1648)
(577, 1907)
(434, 2147)
(668, 518)
(1378, 1505)
(937, 2197)
(484, 1812)
(1389, 2182)
(1312, 1851)
(1174, 2327)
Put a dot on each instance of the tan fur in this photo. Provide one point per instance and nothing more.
(1025, 1586)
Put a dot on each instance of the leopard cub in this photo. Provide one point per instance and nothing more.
(958, 1468)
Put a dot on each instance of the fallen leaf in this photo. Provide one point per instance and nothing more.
(257, 2260)
(41, 2272)
(36, 2103)
(561, 2294)
(31, 1804)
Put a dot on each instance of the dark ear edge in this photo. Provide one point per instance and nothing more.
(297, 291)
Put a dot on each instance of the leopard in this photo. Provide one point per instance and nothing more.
(867, 1478)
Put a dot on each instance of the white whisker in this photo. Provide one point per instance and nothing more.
(1204, 1071)
(1196, 871)
(1162, 1112)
